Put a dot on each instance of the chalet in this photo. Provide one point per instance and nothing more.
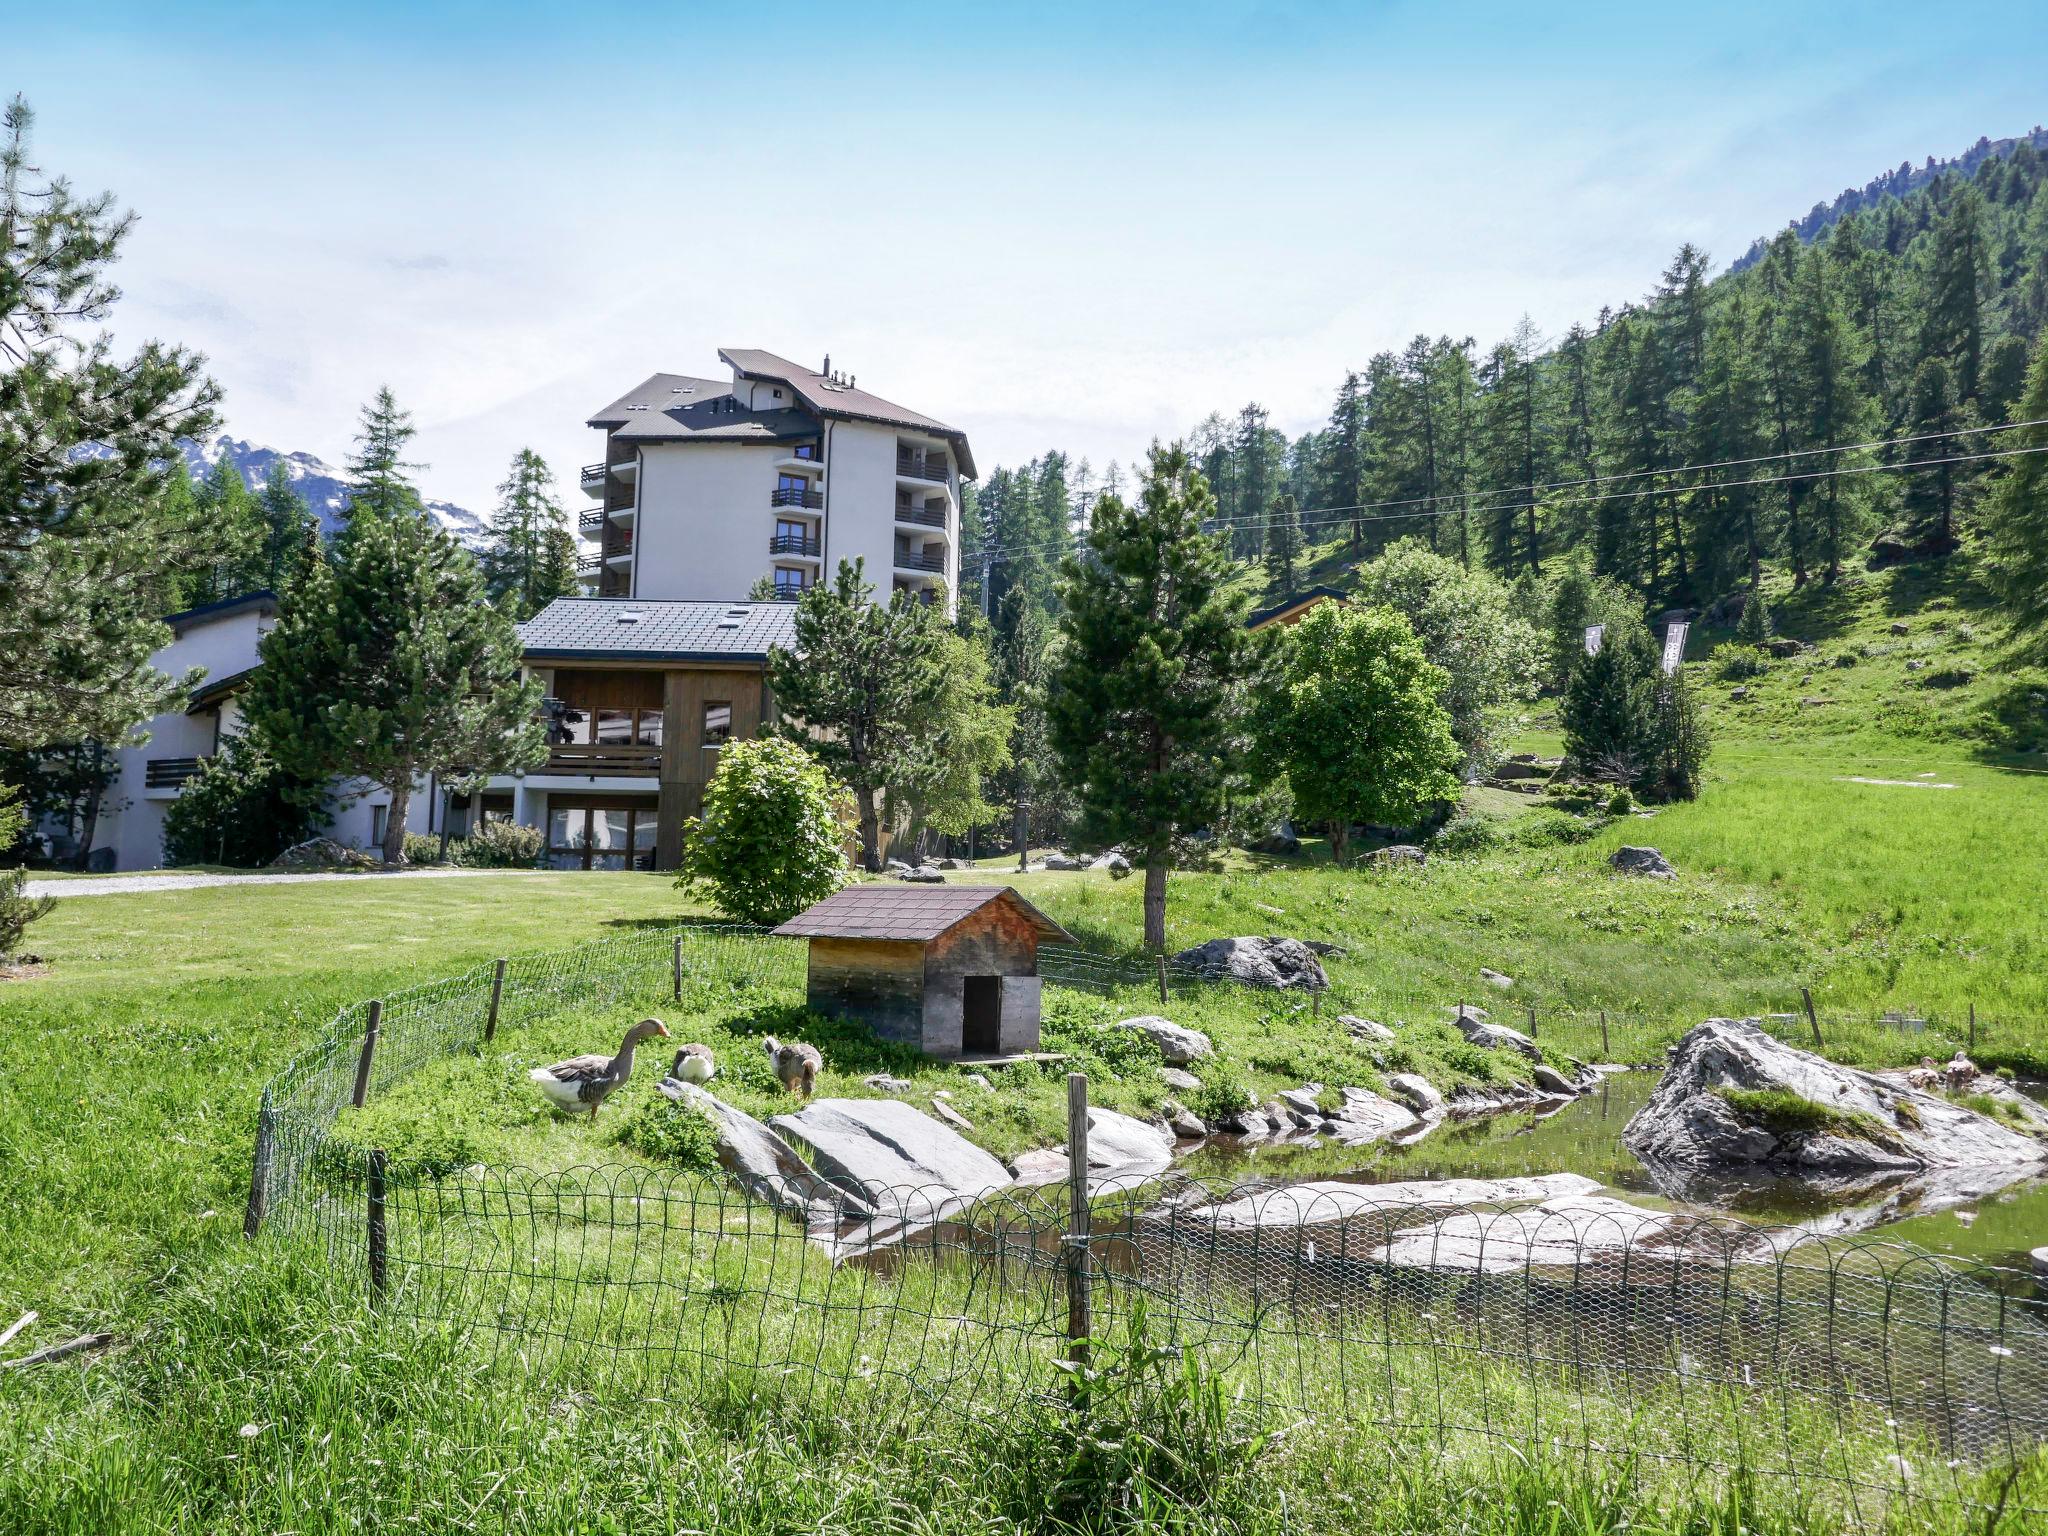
(950, 969)
(1295, 608)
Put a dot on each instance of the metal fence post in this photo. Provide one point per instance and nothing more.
(259, 1170)
(676, 971)
(1606, 1052)
(1080, 1325)
(1812, 1017)
(1161, 962)
(362, 1093)
(497, 995)
(378, 1274)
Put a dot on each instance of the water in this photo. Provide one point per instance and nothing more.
(1585, 1137)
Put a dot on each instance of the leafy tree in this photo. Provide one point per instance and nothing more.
(379, 474)
(1681, 741)
(66, 783)
(1142, 693)
(18, 909)
(1609, 713)
(389, 665)
(1468, 626)
(968, 735)
(241, 809)
(530, 557)
(771, 840)
(93, 547)
(856, 688)
(2017, 525)
(1356, 721)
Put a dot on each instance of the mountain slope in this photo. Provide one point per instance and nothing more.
(324, 487)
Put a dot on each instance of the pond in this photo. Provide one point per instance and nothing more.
(1585, 1137)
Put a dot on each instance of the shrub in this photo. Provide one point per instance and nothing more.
(498, 845)
(1548, 827)
(241, 809)
(1620, 803)
(17, 908)
(772, 837)
(1219, 1098)
(1785, 1113)
(1735, 665)
(1754, 628)
(425, 848)
(678, 1134)
(1467, 834)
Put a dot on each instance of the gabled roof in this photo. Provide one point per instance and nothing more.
(1298, 604)
(644, 629)
(261, 601)
(215, 690)
(918, 913)
(658, 392)
(829, 398)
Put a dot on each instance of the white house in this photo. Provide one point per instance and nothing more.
(221, 638)
(707, 486)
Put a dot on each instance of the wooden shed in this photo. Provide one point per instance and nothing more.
(950, 969)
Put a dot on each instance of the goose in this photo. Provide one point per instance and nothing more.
(796, 1065)
(568, 1085)
(694, 1063)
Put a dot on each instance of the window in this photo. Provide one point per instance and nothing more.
(380, 822)
(601, 836)
(806, 451)
(786, 528)
(717, 723)
(789, 482)
(648, 732)
(605, 729)
(789, 581)
(614, 727)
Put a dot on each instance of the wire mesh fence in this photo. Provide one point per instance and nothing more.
(1558, 1323)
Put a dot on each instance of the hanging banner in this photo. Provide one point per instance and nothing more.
(1595, 633)
(1674, 645)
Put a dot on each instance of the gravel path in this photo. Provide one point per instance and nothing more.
(124, 885)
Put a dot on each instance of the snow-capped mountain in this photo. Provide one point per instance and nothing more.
(323, 486)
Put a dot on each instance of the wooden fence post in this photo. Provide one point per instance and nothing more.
(676, 972)
(1606, 1052)
(378, 1275)
(1080, 1325)
(1811, 1017)
(362, 1093)
(1973, 1029)
(259, 1172)
(1160, 960)
(497, 995)
(1532, 1021)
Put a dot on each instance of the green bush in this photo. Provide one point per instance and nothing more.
(17, 908)
(772, 838)
(1548, 827)
(1219, 1098)
(1467, 834)
(1620, 803)
(241, 809)
(425, 848)
(1734, 664)
(498, 845)
(678, 1134)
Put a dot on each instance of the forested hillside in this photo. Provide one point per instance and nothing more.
(1844, 397)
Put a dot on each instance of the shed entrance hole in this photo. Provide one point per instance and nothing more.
(981, 1015)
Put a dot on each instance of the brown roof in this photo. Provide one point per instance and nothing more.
(828, 397)
(919, 913)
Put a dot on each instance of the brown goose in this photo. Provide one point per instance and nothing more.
(694, 1063)
(569, 1085)
(796, 1065)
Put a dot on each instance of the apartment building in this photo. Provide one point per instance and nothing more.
(710, 486)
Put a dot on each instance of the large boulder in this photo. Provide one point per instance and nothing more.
(1642, 861)
(1259, 962)
(1366, 1117)
(1121, 1144)
(924, 874)
(321, 853)
(1330, 1202)
(762, 1163)
(1494, 1037)
(890, 1153)
(1732, 1094)
(1416, 1091)
(1571, 1232)
(1370, 1030)
(1281, 841)
(1397, 853)
(1178, 1045)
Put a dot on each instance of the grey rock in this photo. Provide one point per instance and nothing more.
(1062, 861)
(1552, 1081)
(1367, 1117)
(1178, 1045)
(882, 1082)
(1496, 978)
(948, 864)
(1642, 861)
(1901, 627)
(1495, 1037)
(980, 1082)
(1040, 1165)
(1331, 1203)
(1365, 1029)
(891, 1154)
(1416, 1091)
(762, 1163)
(951, 1116)
(1118, 1143)
(1568, 1232)
(1260, 962)
(1180, 1080)
(1281, 841)
(1303, 1101)
(924, 874)
(1397, 853)
(1738, 695)
(323, 853)
(1186, 1124)
(1688, 1121)
(1113, 861)
(894, 866)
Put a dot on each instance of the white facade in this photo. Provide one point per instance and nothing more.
(708, 488)
(149, 775)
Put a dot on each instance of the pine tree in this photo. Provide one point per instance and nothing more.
(1953, 328)
(225, 503)
(1609, 714)
(1930, 496)
(1283, 543)
(93, 546)
(1344, 464)
(529, 558)
(2017, 525)
(390, 665)
(1832, 412)
(378, 471)
(1142, 694)
(291, 533)
(1754, 627)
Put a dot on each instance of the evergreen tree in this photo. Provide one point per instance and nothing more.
(1833, 411)
(390, 665)
(1952, 329)
(241, 809)
(1681, 741)
(378, 472)
(1344, 459)
(291, 532)
(529, 558)
(857, 687)
(966, 730)
(1283, 543)
(224, 502)
(1754, 627)
(1610, 709)
(1930, 495)
(2005, 378)
(1032, 784)
(1143, 690)
(2017, 525)
(93, 545)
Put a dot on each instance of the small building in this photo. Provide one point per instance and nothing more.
(950, 969)
(1296, 608)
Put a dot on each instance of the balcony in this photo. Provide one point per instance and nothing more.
(801, 456)
(931, 515)
(591, 478)
(587, 565)
(790, 496)
(585, 758)
(920, 466)
(795, 544)
(921, 560)
(590, 519)
(168, 772)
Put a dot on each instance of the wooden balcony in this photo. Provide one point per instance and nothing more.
(926, 516)
(920, 466)
(911, 560)
(168, 772)
(789, 496)
(794, 544)
(584, 758)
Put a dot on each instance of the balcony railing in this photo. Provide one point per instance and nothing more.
(910, 560)
(790, 496)
(593, 472)
(924, 517)
(920, 466)
(591, 519)
(585, 758)
(168, 772)
(587, 564)
(793, 544)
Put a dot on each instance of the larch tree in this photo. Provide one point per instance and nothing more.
(291, 531)
(1143, 693)
(2017, 524)
(1283, 543)
(529, 558)
(379, 474)
(94, 544)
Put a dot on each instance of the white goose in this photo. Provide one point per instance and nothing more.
(581, 1080)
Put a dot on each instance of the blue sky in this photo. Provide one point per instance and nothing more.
(1052, 225)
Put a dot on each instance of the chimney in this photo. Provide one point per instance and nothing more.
(827, 369)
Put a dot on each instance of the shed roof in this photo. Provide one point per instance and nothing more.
(918, 913)
(656, 629)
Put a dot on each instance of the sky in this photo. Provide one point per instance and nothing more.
(1052, 226)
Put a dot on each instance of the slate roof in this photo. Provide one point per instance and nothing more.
(596, 629)
(1296, 604)
(919, 913)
